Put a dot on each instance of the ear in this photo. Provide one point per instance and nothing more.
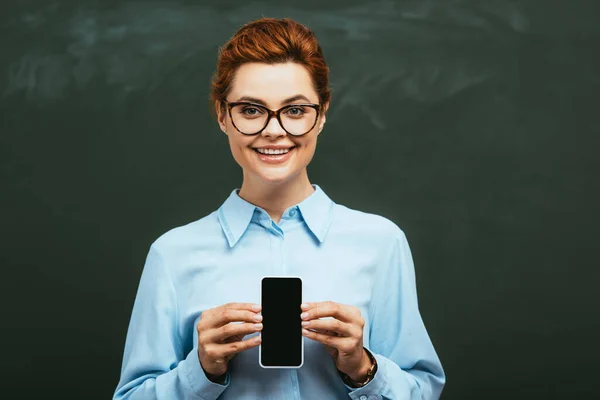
(323, 117)
(221, 116)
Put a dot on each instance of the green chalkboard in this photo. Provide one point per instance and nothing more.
(473, 125)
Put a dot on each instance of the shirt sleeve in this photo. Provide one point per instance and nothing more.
(154, 364)
(408, 366)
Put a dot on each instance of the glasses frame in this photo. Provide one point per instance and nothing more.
(272, 113)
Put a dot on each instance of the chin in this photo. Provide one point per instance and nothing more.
(275, 178)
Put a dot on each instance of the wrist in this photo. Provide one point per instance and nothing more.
(356, 381)
(360, 375)
(220, 379)
(215, 377)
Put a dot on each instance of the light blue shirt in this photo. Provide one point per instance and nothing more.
(342, 255)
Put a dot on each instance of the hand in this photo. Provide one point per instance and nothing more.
(342, 335)
(219, 340)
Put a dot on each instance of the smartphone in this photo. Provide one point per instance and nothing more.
(282, 344)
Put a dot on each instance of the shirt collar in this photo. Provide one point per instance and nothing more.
(236, 213)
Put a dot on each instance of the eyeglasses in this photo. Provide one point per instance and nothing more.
(252, 119)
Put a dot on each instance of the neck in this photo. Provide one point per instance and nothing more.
(275, 198)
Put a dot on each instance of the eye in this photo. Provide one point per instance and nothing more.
(295, 111)
(250, 111)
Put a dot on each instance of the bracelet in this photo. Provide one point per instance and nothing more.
(370, 373)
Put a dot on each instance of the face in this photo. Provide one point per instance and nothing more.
(271, 85)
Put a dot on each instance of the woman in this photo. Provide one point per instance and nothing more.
(195, 325)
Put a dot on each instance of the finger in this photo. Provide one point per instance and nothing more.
(323, 331)
(226, 315)
(329, 340)
(242, 306)
(331, 325)
(325, 309)
(230, 349)
(221, 334)
(234, 338)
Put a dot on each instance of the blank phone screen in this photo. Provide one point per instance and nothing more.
(281, 344)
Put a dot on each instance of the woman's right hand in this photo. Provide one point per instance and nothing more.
(219, 339)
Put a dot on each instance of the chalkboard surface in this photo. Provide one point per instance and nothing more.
(473, 125)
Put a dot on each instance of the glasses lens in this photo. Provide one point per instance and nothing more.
(248, 119)
(296, 119)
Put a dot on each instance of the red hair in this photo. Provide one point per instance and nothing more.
(270, 41)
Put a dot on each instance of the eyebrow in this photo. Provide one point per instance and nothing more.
(286, 101)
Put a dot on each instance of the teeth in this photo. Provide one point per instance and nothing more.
(271, 151)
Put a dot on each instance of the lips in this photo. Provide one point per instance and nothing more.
(270, 148)
(275, 158)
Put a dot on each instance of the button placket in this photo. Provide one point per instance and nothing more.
(277, 235)
(281, 255)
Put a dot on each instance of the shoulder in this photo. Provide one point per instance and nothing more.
(370, 225)
(203, 231)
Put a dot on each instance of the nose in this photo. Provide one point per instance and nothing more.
(273, 128)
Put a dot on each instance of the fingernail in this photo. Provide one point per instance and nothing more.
(303, 315)
(304, 332)
(305, 323)
(257, 339)
(256, 307)
(258, 317)
(303, 305)
(257, 326)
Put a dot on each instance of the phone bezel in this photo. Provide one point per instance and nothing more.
(301, 337)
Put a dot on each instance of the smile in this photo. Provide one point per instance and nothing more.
(273, 151)
(273, 156)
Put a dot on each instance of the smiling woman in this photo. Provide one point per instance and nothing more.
(290, 131)
(196, 322)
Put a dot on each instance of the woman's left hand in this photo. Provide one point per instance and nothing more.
(342, 335)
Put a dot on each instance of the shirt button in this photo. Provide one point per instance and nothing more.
(292, 213)
(363, 397)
